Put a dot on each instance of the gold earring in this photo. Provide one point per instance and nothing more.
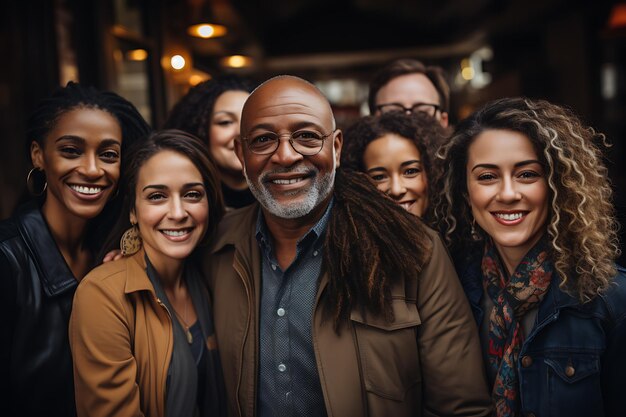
(31, 180)
(130, 242)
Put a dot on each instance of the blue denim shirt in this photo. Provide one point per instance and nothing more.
(573, 362)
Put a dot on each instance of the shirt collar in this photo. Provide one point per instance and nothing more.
(312, 237)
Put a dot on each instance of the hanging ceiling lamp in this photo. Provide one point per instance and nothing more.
(202, 22)
(617, 18)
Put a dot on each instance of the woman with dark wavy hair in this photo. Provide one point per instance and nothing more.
(212, 111)
(396, 151)
(526, 208)
(141, 329)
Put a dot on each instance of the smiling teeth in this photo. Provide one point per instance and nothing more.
(507, 216)
(287, 182)
(175, 233)
(406, 205)
(86, 190)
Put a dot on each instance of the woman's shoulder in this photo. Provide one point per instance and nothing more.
(8, 229)
(111, 276)
(614, 297)
(125, 275)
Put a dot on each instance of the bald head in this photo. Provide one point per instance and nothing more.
(295, 178)
(282, 90)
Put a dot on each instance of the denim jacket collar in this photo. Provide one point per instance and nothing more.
(471, 278)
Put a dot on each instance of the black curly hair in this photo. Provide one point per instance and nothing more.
(193, 112)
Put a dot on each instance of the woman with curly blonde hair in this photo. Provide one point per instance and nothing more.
(526, 209)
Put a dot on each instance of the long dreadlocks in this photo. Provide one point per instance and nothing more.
(371, 244)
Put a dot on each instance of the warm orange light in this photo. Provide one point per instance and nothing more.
(237, 61)
(207, 30)
(177, 62)
(467, 73)
(137, 55)
(618, 16)
(196, 79)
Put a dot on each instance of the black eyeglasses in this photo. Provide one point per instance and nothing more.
(305, 142)
(428, 108)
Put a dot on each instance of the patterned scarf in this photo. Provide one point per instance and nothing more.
(512, 298)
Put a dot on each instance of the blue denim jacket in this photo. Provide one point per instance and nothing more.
(573, 361)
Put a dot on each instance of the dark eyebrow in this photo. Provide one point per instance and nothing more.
(78, 139)
(414, 161)
(517, 165)
(109, 142)
(376, 169)
(165, 187)
(70, 138)
(405, 163)
(527, 162)
(155, 186)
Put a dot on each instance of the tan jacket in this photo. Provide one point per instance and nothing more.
(121, 337)
(427, 362)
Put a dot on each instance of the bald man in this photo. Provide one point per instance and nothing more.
(328, 299)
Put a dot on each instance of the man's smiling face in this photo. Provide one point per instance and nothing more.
(286, 183)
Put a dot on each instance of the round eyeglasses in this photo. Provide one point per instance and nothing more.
(305, 142)
(428, 108)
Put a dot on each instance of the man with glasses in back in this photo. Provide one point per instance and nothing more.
(329, 299)
(410, 86)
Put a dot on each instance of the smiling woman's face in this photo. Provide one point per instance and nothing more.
(395, 165)
(81, 159)
(507, 190)
(224, 128)
(171, 207)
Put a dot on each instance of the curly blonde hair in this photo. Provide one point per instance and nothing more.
(581, 225)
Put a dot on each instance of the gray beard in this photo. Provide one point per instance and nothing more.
(315, 195)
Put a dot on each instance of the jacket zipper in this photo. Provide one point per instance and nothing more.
(169, 349)
(238, 267)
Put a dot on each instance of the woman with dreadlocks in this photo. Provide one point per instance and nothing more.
(77, 138)
(212, 111)
(527, 210)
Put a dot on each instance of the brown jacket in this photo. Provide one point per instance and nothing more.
(121, 337)
(427, 362)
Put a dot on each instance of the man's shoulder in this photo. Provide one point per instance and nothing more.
(236, 225)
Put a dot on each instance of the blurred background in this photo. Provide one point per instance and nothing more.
(151, 52)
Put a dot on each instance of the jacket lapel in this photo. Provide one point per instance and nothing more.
(56, 276)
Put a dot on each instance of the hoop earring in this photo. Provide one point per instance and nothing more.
(30, 182)
(475, 235)
(130, 243)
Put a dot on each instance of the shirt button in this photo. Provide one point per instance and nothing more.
(280, 312)
(570, 371)
(282, 367)
(273, 267)
(527, 361)
(315, 253)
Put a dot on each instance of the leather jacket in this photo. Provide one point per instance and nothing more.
(36, 291)
(573, 361)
